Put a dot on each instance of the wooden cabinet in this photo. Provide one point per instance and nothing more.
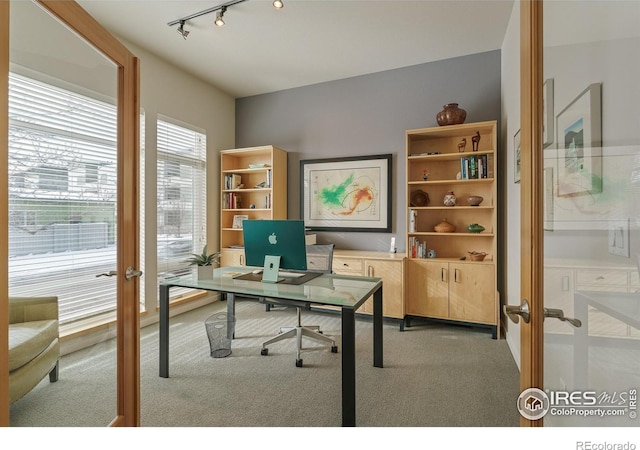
(443, 282)
(389, 267)
(253, 183)
(462, 291)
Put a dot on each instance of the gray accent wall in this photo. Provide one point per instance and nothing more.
(368, 115)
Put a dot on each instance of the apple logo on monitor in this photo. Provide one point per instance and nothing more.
(273, 239)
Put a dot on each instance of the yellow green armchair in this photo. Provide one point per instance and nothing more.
(34, 343)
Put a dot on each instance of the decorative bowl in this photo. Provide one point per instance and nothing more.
(419, 198)
(477, 256)
(475, 228)
(474, 200)
(444, 227)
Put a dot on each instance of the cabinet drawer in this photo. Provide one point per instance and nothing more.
(601, 278)
(348, 266)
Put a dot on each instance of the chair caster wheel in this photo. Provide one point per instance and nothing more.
(264, 351)
(298, 363)
(334, 349)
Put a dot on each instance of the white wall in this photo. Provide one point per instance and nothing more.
(167, 90)
(511, 193)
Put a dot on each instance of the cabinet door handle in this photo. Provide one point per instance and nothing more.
(443, 274)
(242, 260)
(455, 275)
(369, 271)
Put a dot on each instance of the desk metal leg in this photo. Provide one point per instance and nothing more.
(348, 368)
(377, 328)
(164, 331)
(231, 309)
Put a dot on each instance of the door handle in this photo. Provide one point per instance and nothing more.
(559, 314)
(515, 312)
(132, 273)
(111, 273)
(129, 274)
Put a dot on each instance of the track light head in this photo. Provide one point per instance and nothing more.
(184, 33)
(278, 4)
(219, 22)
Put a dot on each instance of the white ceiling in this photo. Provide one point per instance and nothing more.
(263, 50)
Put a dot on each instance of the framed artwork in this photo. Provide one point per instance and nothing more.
(548, 199)
(346, 194)
(547, 112)
(579, 141)
(516, 158)
(237, 220)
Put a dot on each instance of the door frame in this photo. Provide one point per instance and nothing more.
(86, 27)
(531, 198)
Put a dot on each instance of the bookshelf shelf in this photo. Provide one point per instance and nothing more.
(442, 281)
(268, 202)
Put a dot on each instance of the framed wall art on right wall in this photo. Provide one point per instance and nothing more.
(579, 140)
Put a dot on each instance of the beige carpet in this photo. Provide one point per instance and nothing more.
(434, 375)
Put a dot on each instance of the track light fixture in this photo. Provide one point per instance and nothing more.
(219, 22)
(184, 33)
(221, 9)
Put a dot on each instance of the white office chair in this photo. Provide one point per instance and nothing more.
(319, 259)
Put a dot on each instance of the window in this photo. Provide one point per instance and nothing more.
(181, 198)
(62, 224)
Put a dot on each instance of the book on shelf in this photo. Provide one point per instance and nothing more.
(231, 200)
(232, 181)
(476, 167)
(418, 249)
(464, 168)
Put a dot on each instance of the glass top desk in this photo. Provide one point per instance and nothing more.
(346, 292)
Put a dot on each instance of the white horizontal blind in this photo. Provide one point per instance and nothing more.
(62, 197)
(181, 199)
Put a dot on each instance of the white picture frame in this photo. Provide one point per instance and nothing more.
(579, 141)
(547, 113)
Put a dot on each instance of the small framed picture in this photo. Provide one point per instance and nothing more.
(516, 159)
(547, 113)
(237, 220)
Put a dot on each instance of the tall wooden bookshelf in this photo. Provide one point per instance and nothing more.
(442, 280)
(253, 183)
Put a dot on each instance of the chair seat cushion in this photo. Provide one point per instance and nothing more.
(28, 339)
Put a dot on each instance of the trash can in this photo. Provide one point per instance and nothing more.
(220, 330)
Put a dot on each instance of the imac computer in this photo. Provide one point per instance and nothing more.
(276, 245)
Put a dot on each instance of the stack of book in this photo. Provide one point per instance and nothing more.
(231, 200)
(232, 181)
(475, 167)
(417, 249)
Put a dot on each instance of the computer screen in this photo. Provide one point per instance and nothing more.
(283, 238)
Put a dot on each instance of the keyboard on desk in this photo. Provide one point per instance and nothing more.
(291, 274)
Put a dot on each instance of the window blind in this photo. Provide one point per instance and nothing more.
(62, 197)
(181, 198)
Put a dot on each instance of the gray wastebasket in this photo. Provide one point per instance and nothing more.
(220, 330)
